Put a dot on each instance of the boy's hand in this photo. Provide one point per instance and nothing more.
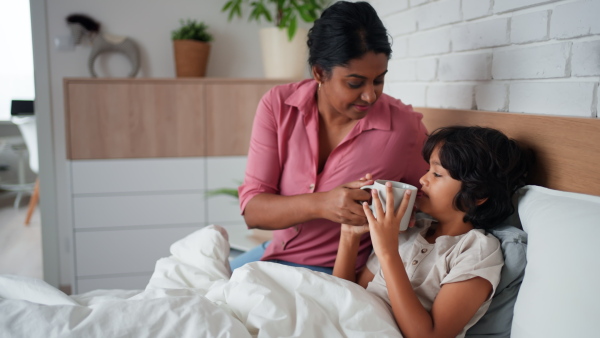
(385, 229)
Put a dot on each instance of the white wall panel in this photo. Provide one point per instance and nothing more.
(124, 251)
(224, 172)
(121, 282)
(137, 175)
(114, 211)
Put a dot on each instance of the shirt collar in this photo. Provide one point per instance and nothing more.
(305, 100)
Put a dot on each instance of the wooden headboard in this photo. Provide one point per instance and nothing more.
(567, 149)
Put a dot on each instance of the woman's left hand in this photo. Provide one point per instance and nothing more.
(384, 230)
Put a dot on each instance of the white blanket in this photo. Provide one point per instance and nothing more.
(193, 294)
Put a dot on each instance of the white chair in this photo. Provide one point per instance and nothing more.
(28, 128)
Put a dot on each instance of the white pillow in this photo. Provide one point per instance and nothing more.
(560, 295)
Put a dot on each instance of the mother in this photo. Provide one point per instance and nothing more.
(312, 141)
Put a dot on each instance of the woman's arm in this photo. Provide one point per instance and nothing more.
(272, 211)
(455, 304)
(260, 201)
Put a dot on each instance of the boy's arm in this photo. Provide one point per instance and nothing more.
(345, 261)
(454, 306)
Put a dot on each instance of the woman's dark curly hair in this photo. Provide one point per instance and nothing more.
(490, 166)
(346, 31)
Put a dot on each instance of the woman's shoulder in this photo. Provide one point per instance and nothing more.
(283, 91)
(398, 107)
(285, 96)
(402, 116)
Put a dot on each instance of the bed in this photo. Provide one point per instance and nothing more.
(192, 293)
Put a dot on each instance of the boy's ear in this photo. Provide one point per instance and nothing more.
(481, 201)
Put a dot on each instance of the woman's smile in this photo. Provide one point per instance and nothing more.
(362, 107)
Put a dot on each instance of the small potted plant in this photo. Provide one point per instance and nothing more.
(284, 47)
(191, 46)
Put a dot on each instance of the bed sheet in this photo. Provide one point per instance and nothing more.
(192, 293)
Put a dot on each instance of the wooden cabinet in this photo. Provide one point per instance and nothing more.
(142, 154)
(146, 118)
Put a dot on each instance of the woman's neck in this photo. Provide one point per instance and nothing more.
(329, 116)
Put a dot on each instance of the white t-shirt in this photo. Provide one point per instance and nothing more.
(450, 259)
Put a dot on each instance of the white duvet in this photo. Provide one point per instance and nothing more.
(193, 294)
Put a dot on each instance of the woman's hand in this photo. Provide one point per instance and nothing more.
(342, 204)
(385, 229)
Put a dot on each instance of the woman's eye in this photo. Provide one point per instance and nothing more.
(354, 85)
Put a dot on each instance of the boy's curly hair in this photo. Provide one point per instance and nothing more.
(490, 166)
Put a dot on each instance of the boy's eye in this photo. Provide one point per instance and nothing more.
(437, 175)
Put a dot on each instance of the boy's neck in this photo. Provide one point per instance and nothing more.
(456, 228)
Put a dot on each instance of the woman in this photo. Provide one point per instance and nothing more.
(312, 140)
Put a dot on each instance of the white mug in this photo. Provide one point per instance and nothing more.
(398, 188)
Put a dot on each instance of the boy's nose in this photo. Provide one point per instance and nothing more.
(422, 180)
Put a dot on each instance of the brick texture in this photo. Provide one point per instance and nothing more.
(527, 56)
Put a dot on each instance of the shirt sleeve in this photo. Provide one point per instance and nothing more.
(263, 168)
(418, 165)
(481, 256)
(373, 263)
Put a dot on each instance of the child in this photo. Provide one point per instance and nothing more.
(440, 275)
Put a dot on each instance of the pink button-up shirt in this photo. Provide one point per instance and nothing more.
(283, 159)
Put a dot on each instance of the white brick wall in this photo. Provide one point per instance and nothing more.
(586, 58)
(560, 98)
(473, 9)
(465, 66)
(530, 27)
(527, 56)
(536, 62)
(491, 96)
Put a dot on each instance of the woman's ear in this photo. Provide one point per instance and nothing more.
(318, 73)
(481, 201)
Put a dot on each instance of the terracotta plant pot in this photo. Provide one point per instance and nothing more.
(191, 57)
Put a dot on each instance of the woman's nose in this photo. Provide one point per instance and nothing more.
(368, 94)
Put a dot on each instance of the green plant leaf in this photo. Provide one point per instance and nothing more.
(284, 13)
(222, 191)
(292, 28)
(192, 30)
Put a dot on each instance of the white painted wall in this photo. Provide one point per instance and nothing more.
(526, 56)
(235, 53)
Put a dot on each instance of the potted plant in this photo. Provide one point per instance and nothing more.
(283, 46)
(191, 48)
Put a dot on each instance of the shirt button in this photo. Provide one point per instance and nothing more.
(415, 262)
(423, 250)
(311, 187)
(296, 228)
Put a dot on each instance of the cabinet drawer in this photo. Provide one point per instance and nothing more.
(136, 210)
(124, 251)
(224, 172)
(137, 175)
(110, 283)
